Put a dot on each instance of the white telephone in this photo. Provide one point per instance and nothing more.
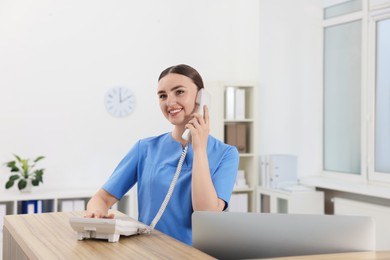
(112, 229)
(105, 228)
(203, 98)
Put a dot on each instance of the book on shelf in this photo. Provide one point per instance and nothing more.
(32, 206)
(234, 103)
(3, 212)
(238, 202)
(79, 205)
(240, 180)
(278, 171)
(241, 138)
(72, 205)
(230, 103)
(265, 203)
(66, 206)
(236, 135)
(239, 109)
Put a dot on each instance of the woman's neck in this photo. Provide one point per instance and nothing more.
(176, 135)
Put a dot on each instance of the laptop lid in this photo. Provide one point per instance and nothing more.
(237, 235)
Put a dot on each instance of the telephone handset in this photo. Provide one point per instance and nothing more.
(203, 98)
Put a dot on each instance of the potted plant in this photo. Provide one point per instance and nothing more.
(26, 173)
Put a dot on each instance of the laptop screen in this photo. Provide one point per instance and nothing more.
(237, 235)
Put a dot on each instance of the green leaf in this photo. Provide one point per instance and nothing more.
(39, 158)
(39, 172)
(38, 176)
(18, 158)
(35, 182)
(12, 165)
(22, 184)
(25, 167)
(9, 184)
(14, 177)
(15, 169)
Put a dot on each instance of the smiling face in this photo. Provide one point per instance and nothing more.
(177, 94)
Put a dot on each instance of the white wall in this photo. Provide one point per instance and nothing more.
(58, 58)
(290, 81)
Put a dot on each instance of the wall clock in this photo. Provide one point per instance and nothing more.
(119, 101)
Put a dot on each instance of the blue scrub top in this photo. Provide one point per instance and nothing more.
(152, 163)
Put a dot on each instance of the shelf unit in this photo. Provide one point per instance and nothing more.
(307, 201)
(52, 199)
(218, 123)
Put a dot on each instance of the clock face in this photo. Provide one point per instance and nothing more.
(119, 101)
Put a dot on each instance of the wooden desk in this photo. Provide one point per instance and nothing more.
(341, 256)
(50, 236)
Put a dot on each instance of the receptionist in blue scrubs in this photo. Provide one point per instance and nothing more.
(208, 172)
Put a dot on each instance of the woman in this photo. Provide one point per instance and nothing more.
(207, 175)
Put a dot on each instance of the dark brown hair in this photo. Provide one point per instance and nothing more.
(184, 70)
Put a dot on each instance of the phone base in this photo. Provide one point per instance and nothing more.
(109, 229)
(93, 234)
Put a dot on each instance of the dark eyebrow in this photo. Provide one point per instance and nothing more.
(173, 89)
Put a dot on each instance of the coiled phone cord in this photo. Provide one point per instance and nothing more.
(170, 191)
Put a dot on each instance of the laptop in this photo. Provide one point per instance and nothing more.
(237, 235)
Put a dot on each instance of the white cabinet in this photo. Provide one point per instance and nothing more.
(234, 123)
(304, 201)
(56, 200)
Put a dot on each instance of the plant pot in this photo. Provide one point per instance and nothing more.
(28, 187)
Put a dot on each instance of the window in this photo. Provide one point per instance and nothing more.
(342, 8)
(356, 92)
(382, 97)
(342, 95)
(381, 85)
